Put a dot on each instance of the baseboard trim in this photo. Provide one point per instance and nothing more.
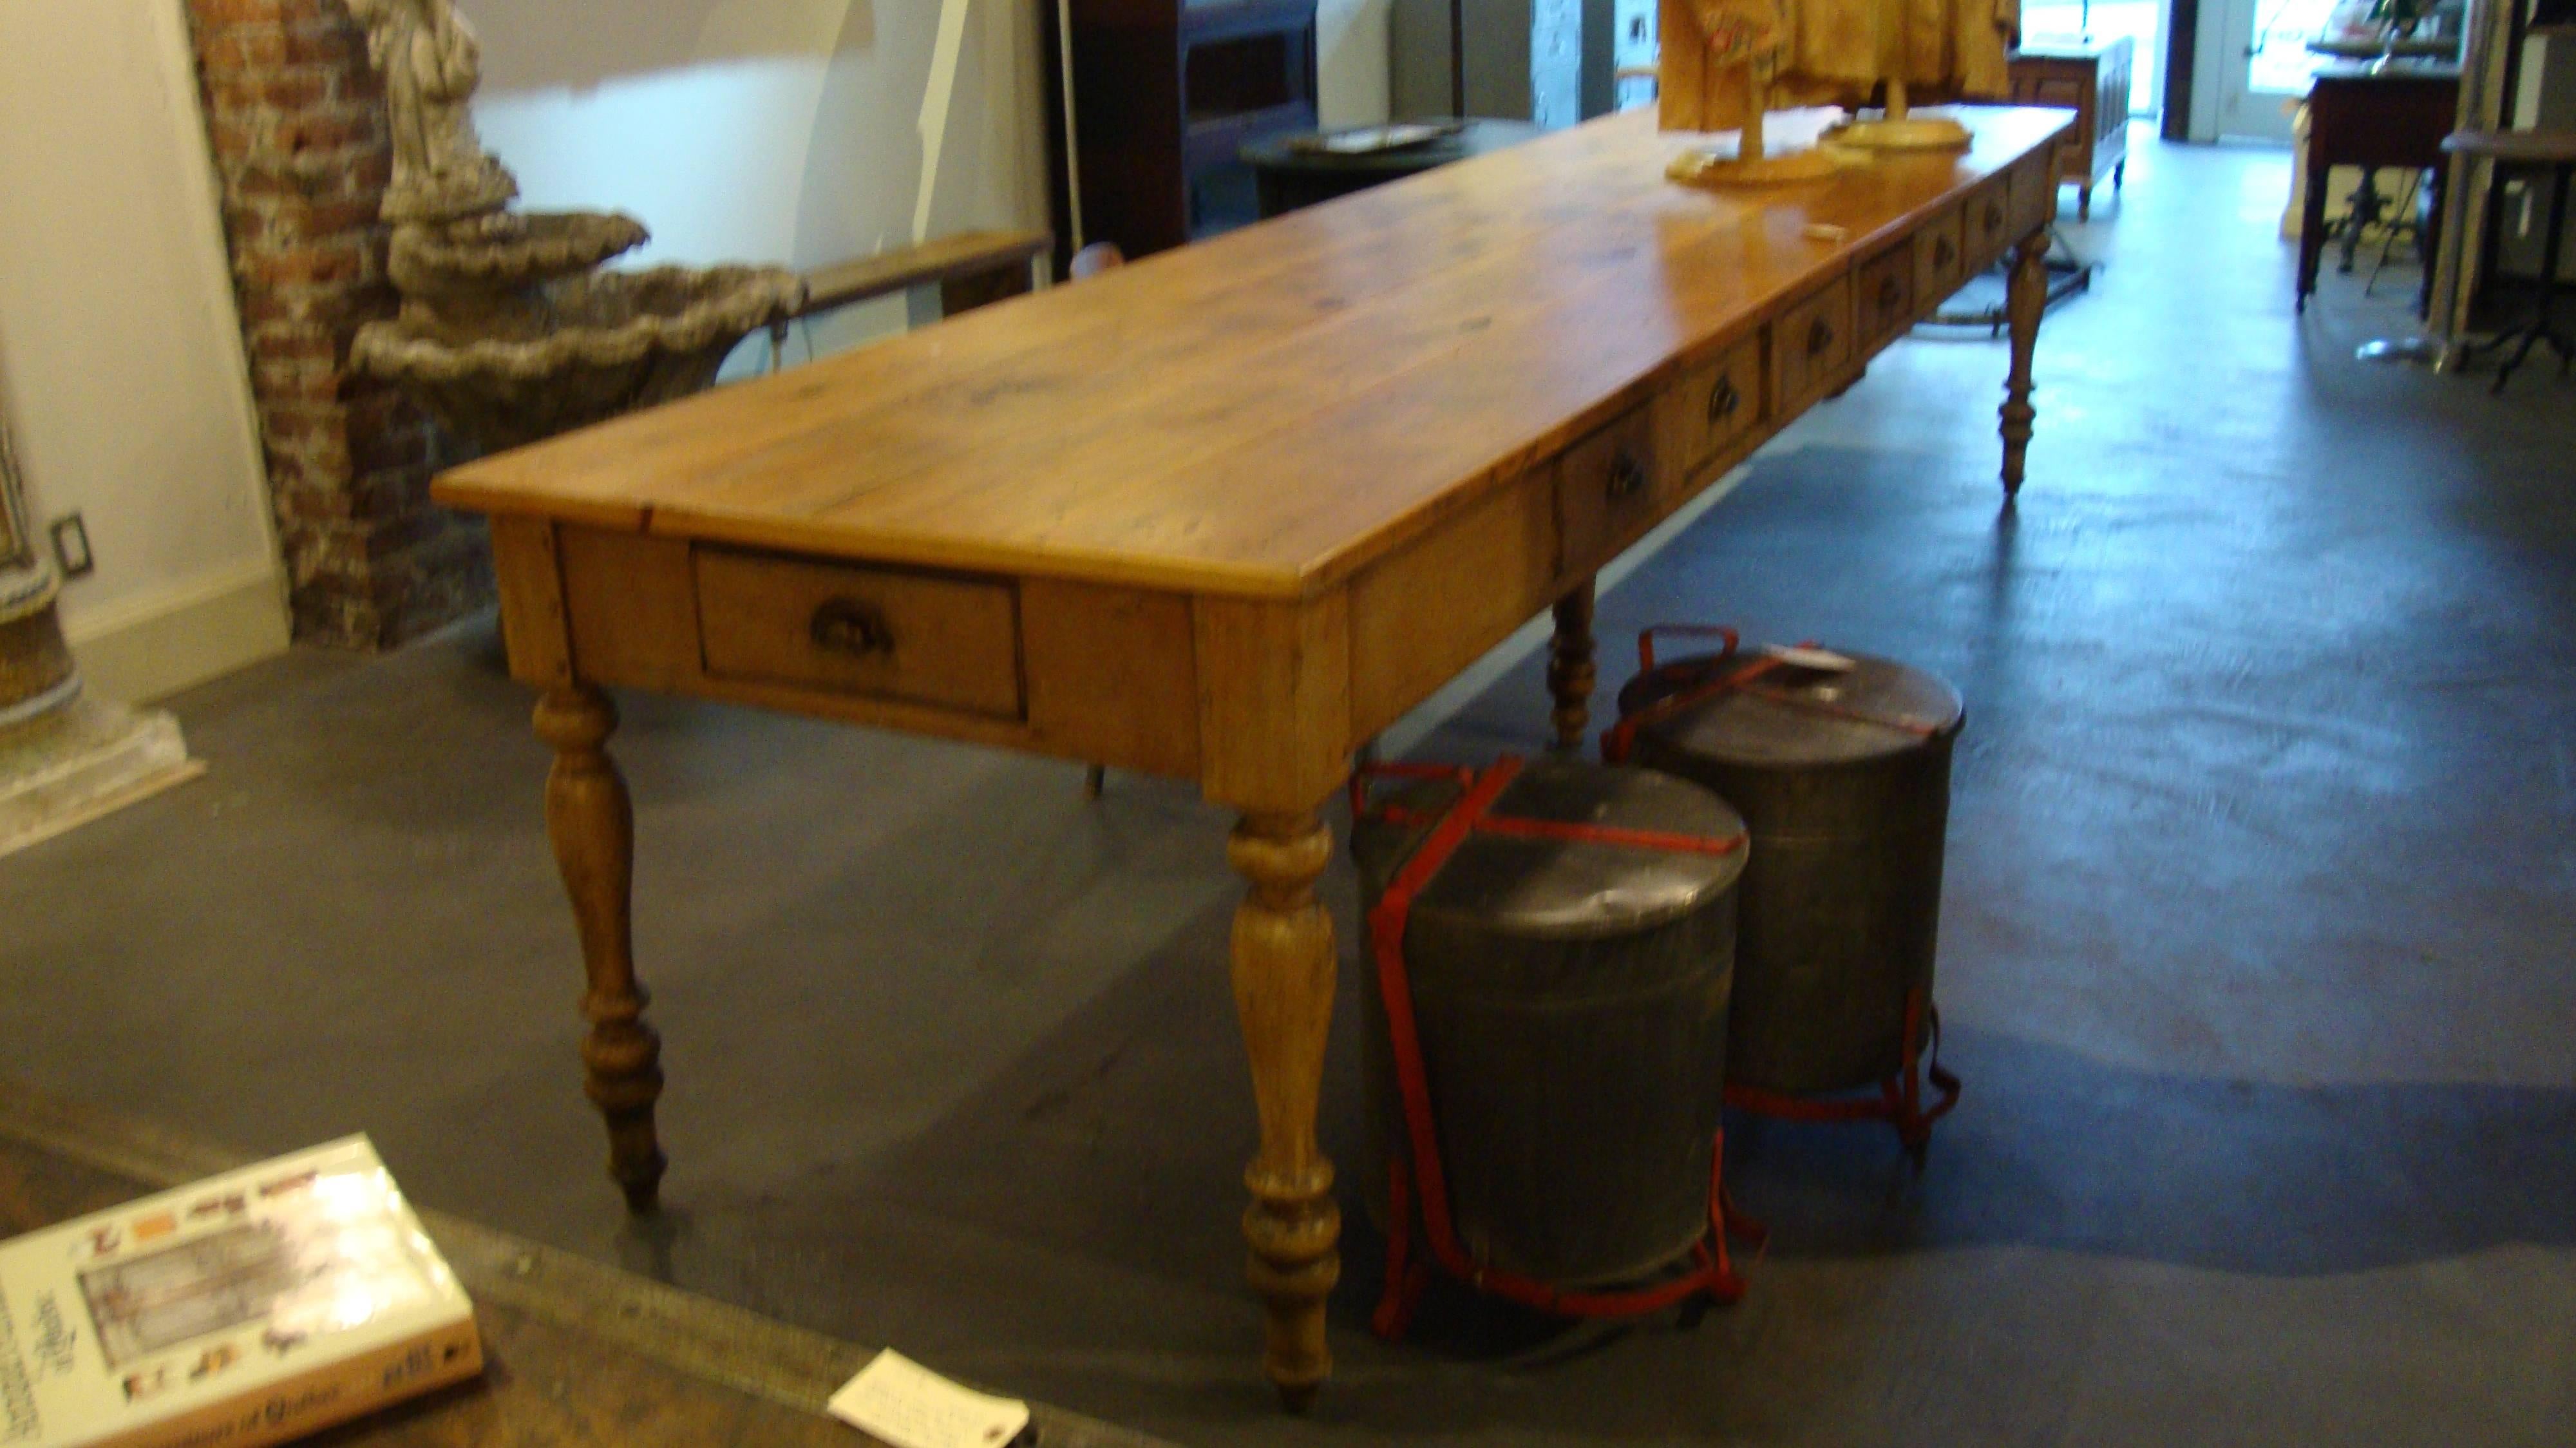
(172, 638)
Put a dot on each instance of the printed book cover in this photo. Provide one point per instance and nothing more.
(244, 1310)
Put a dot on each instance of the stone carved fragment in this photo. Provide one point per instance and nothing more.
(508, 332)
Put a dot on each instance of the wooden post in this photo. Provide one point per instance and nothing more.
(1570, 672)
(2024, 302)
(592, 823)
(1284, 968)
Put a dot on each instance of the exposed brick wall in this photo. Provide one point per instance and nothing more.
(297, 123)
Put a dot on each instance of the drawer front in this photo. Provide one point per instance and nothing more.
(1811, 345)
(1940, 262)
(2070, 91)
(1988, 221)
(2034, 192)
(1712, 406)
(1885, 295)
(1608, 492)
(926, 638)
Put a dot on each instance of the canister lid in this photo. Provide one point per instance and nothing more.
(1790, 716)
(1560, 889)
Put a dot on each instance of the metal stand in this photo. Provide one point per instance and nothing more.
(2540, 328)
(2068, 274)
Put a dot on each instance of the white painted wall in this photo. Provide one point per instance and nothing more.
(1351, 71)
(787, 131)
(120, 353)
(781, 131)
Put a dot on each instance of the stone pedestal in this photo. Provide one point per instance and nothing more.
(82, 760)
(64, 760)
(36, 672)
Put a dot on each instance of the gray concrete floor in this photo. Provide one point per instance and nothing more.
(2256, 947)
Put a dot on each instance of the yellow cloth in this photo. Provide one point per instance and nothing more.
(1835, 52)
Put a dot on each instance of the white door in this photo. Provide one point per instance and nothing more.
(2260, 65)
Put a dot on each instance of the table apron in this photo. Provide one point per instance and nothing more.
(1262, 702)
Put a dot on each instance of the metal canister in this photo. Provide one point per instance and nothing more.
(1569, 999)
(1843, 776)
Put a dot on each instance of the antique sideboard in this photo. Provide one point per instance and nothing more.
(2095, 78)
(1224, 516)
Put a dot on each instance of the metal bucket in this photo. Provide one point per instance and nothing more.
(1844, 780)
(1570, 1003)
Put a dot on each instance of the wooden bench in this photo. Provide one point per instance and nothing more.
(969, 270)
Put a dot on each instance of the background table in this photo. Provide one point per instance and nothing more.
(2360, 116)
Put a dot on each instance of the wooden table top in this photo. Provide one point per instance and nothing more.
(579, 1353)
(2402, 72)
(1259, 415)
(2540, 147)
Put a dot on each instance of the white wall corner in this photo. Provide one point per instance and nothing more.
(1351, 61)
(158, 643)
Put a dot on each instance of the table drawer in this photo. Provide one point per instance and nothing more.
(1885, 295)
(2034, 192)
(1713, 405)
(1607, 492)
(2070, 91)
(923, 637)
(1986, 220)
(1940, 262)
(1811, 345)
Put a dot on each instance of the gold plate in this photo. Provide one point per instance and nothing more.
(1914, 133)
(1713, 168)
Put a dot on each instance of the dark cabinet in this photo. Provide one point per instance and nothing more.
(1166, 93)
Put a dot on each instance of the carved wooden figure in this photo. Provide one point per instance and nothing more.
(1720, 60)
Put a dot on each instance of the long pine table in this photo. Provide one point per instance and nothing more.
(1224, 515)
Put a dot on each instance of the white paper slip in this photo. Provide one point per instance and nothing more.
(1822, 660)
(910, 1406)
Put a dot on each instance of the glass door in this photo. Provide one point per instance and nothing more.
(2265, 63)
(2066, 22)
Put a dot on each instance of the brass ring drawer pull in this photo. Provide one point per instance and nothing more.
(1994, 216)
(1627, 477)
(1820, 337)
(1723, 400)
(1890, 292)
(1942, 251)
(847, 626)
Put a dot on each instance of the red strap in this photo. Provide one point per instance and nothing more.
(1646, 640)
(1533, 829)
(1900, 1097)
(1621, 741)
(1714, 1272)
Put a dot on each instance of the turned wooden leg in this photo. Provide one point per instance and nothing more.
(2027, 298)
(1283, 990)
(593, 827)
(1570, 673)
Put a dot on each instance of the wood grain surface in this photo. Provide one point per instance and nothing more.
(580, 1353)
(1265, 413)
